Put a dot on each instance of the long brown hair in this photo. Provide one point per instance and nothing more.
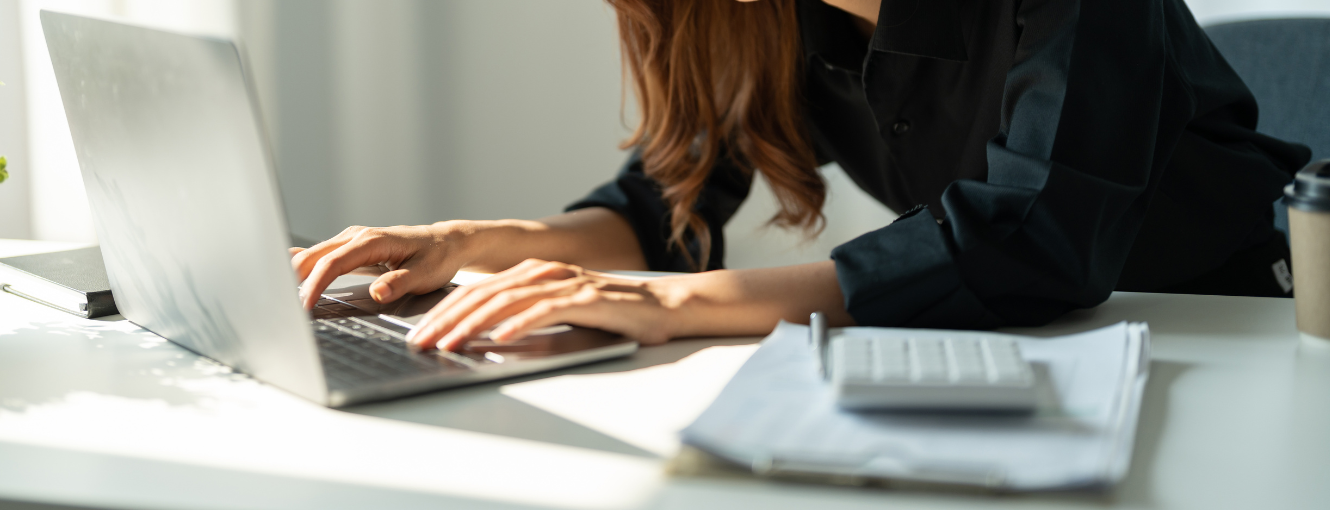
(717, 77)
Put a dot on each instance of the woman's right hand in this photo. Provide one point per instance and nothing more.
(418, 259)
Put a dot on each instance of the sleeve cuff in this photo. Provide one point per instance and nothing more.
(634, 197)
(904, 275)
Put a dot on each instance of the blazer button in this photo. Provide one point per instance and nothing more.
(901, 127)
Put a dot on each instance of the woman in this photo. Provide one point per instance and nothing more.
(1048, 152)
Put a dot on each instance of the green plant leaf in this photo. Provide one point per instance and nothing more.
(3, 173)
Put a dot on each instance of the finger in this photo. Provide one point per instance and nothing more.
(407, 279)
(461, 302)
(304, 261)
(383, 288)
(294, 251)
(339, 262)
(444, 318)
(630, 313)
(585, 308)
(502, 306)
(503, 279)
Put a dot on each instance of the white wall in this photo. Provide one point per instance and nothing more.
(46, 175)
(422, 111)
(15, 219)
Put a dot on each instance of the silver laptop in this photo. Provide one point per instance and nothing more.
(187, 210)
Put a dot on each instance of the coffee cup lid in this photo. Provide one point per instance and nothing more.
(1310, 190)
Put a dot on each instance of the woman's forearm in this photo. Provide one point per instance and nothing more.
(595, 238)
(727, 302)
(751, 301)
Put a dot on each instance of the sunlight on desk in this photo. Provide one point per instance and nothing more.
(646, 407)
(112, 388)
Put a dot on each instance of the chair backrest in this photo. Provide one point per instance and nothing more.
(1286, 64)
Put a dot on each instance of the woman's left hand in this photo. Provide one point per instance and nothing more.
(537, 294)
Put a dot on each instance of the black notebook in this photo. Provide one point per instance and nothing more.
(73, 281)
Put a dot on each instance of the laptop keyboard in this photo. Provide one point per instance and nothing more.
(356, 351)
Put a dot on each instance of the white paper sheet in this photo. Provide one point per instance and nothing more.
(777, 415)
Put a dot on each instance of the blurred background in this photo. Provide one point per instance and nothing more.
(393, 112)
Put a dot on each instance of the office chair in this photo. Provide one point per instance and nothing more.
(1286, 64)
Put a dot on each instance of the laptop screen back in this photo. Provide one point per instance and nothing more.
(184, 203)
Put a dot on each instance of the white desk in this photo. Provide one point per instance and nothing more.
(101, 414)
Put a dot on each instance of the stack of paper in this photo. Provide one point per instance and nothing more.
(778, 416)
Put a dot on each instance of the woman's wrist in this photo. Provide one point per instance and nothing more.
(468, 241)
(595, 238)
(679, 299)
(707, 304)
(487, 245)
(749, 301)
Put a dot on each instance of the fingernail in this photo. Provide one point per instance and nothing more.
(444, 341)
(381, 292)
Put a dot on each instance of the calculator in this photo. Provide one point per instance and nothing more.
(941, 373)
(927, 370)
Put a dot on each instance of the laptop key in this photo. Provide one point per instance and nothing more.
(375, 353)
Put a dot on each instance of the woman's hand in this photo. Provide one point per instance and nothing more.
(418, 259)
(423, 258)
(535, 294)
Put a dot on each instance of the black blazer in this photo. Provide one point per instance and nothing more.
(1060, 148)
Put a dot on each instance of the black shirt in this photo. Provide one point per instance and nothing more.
(1064, 149)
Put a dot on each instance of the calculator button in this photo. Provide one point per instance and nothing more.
(892, 373)
(925, 375)
(857, 368)
(966, 359)
(855, 347)
(852, 360)
(970, 374)
(929, 359)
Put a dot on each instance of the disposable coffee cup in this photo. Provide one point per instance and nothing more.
(1308, 199)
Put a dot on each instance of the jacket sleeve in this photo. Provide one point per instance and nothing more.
(1092, 107)
(638, 199)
